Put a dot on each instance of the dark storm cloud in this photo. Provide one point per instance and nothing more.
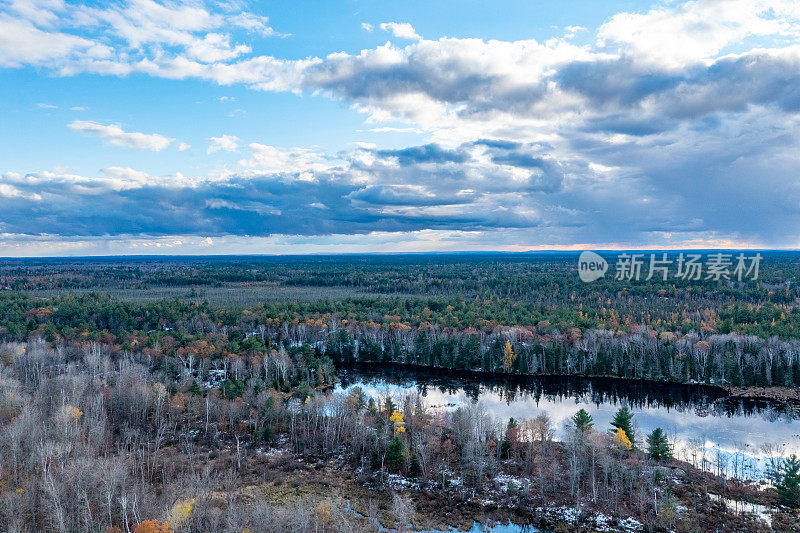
(432, 188)
(429, 153)
(628, 125)
(619, 82)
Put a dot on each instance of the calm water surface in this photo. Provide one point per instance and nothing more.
(706, 427)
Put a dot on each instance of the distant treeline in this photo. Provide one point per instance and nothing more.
(545, 277)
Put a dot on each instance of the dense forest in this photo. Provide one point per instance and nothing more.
(125, 412)
(419, 331)
(450, 311)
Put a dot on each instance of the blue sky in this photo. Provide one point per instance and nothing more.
(301, 127)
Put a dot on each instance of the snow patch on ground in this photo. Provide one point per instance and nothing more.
(598, 522)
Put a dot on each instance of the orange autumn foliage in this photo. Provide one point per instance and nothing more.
(152, 526)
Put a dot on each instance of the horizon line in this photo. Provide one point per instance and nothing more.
(569, 251)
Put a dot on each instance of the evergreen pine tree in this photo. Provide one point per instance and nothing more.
(658, 446)
(583, 420)
(624, 420)
(788, 483)
(389, 406)
(194, 389)
(416, 468)
(394, 455)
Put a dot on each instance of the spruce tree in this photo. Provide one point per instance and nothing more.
(788, 483)
(624, 420)
(416, 468)
(583, 420)
(389, 406)
(658, 446)
(394, 455)
(194, 389)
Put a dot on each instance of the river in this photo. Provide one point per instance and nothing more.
(705, 427)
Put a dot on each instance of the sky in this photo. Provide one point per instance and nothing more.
(233, 127)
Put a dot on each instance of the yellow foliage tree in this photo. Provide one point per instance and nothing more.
(621, 440)
(324, 512)
(68, 414)
(159, 390)
(180, 512)
(398, 421)
(508, 356)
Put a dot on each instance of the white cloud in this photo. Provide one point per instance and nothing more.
(366, 27)
(390, 129)
(255, 24)
(141, 22)
(274, 160)
(22, 43)
(681, 34)
(44, 13)
(182, 147)
(119, 179)
(114, 135)
(401, 30)
(177, 41)
(115, 178)
(228, 143)
(215, 47)
(118, 38)
(572, 31)
(9, 191)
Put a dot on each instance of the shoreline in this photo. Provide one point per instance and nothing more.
(786, 396)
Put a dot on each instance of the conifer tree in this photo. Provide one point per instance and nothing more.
(583, 421)
(658, 446)
(788, 483)
(389, 406)
(394, 455)
(624, 420)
